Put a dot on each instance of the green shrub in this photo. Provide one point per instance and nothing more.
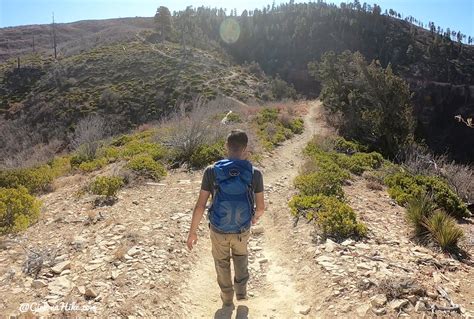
(121, 140)
(135, 147)
(297, 126)
(338, 220)
(403, 186)
(18, 209)
(274, 129)
(443, 230)
(60, 165)
(145, 165)
(78, 158)
(333, 217)
(348, 147)
(111, 153)
(93, 165)
(231, 118)
(35, 179)
(359, 162)
(207, 154)
(321, 182)
(106, 185)
(234, 118)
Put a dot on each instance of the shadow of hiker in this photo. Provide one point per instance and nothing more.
(226, 312)
(242, 312)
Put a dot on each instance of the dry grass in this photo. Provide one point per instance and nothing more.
(444, 230)
(373, 185)
(395, 288)
(120, 252)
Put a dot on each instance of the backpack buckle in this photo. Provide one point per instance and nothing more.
(234, 172)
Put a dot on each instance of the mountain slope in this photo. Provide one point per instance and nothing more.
(71, 38)
(127, 83)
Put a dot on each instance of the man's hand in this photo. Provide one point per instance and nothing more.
(260, 207)
(192, 240)
(197, 215)
(256, 217)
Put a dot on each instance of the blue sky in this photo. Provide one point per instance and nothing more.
(455, 14)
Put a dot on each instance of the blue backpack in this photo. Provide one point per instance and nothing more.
(232, 207)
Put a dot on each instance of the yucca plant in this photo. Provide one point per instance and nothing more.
(418, 210)
(443, 230)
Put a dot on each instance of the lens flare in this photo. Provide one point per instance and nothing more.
(229, 30)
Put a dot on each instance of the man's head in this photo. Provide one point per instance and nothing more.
(237, 141)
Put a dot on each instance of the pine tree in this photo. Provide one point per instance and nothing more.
(163, 22)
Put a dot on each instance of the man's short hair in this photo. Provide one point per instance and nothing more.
(237, 140)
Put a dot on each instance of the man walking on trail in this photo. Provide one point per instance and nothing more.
(237, 203)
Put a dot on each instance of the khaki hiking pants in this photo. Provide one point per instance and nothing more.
(223, 247)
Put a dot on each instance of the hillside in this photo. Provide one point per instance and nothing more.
(127, 83)
(72, 38)
(129, 259)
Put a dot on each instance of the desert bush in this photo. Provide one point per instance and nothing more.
(338, 220)
(319, 144)
(334, 218)
(274, 127)
(348, 147)
(461, 178)
(187, 134)
(93, 165)
(417, 159)
(88, 135)
(60, 165)
(322, 152)
(431, 223)
(403, 186)
(234, 118)
(106, 185)
(36, 179)
(206, 154)
(321, 182)
(359, 162)
(135, 147)
(296, 126)
(146, 166)
(417, 210)
(18, 209)
(443, 230)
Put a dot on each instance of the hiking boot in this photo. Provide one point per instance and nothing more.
(241, 297)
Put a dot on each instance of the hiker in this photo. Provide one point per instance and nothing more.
(237, 203)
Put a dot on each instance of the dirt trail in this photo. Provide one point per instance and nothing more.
(275, 292)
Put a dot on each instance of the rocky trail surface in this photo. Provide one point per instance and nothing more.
(129, 260)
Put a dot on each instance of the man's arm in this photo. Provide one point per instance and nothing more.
(197, 216)
(260, 207)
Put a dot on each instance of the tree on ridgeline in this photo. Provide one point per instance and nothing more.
(163, 22)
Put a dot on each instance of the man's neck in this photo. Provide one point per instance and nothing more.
(235, 157)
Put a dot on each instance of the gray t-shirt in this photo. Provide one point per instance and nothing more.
(209, 178)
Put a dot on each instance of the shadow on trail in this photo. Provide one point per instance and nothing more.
(226, 312)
